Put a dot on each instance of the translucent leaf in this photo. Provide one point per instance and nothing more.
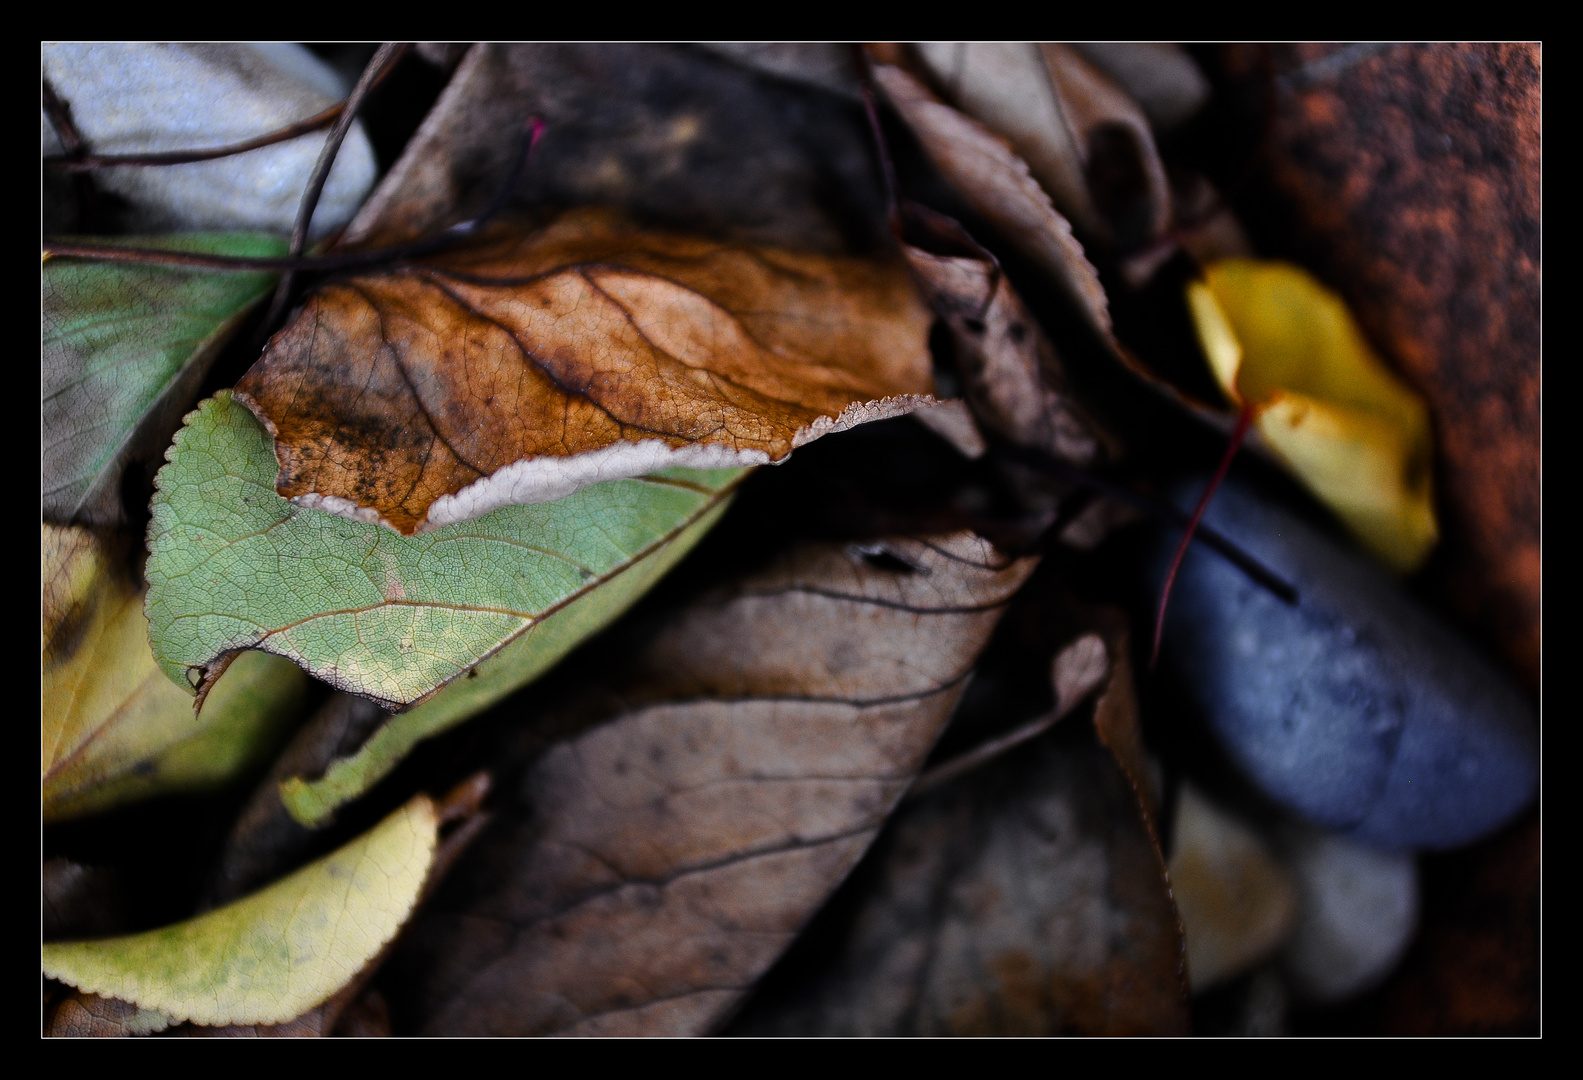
(1327, 405)
(113, 728)
(124, 349)
(276, 954)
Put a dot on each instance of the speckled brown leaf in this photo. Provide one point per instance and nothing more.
(539, 360)
(652, 867)
(1410, 175)
(1027, 897)
(1024, 899)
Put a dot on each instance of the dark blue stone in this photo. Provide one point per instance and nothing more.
(1356, 707)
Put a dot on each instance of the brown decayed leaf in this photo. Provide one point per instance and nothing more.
(1410, 176)
(667, 133)
(1162, 78)
(652, 867)
(538, 361)
(1125, 177)
(996, 183)
(1025, 899)
(1011, 373)
(1028, 897)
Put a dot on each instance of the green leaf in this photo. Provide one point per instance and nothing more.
(272, 956)
(491, 602)
(124, 350)
(112, 728)
(529, 656)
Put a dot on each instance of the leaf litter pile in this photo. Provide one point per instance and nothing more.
(790, 540)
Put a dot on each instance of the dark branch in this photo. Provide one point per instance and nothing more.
(383, 60)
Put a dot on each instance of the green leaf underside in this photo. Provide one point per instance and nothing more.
(271, 956)
(232, 565)
(118, 339)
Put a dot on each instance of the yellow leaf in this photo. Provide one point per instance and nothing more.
(1327, 405)
(271, 956)
(113, 728)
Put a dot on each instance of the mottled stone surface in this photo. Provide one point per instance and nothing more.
(1356, 708)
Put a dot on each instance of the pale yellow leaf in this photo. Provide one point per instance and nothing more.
(273, 955)
(1327, 405)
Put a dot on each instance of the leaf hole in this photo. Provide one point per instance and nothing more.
(882, 558)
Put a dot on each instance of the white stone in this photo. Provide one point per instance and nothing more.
(131, 98)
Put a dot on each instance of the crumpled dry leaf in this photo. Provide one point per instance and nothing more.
(996, 183)
(89, 1016)
(1159, 76)
(123, 351)
(277, 954)
(1011, 374)
(1085, 139)
(114, 729)
(536, 361)
(1332, 412)
(1026, 897)
(829, 65)
(651, 868)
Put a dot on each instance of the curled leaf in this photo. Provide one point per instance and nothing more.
(232, 566)
(114, 729)
(1086, 140)
(274, 955)
(1013, 377)
(124, 348)
(1327, 405)
(996, 183)
(538, 361)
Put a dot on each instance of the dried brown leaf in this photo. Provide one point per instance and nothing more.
(1125, 179)
(88, 1016)
(1012, 376)
(537, 361)
(997, 184)
(1025, 899)
(652, 867)
(670, 134)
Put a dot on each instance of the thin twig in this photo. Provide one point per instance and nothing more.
(1261, 575)
(1244, 419)
(75, 146)
(337, 260)
(90, 162)
(384, 58)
